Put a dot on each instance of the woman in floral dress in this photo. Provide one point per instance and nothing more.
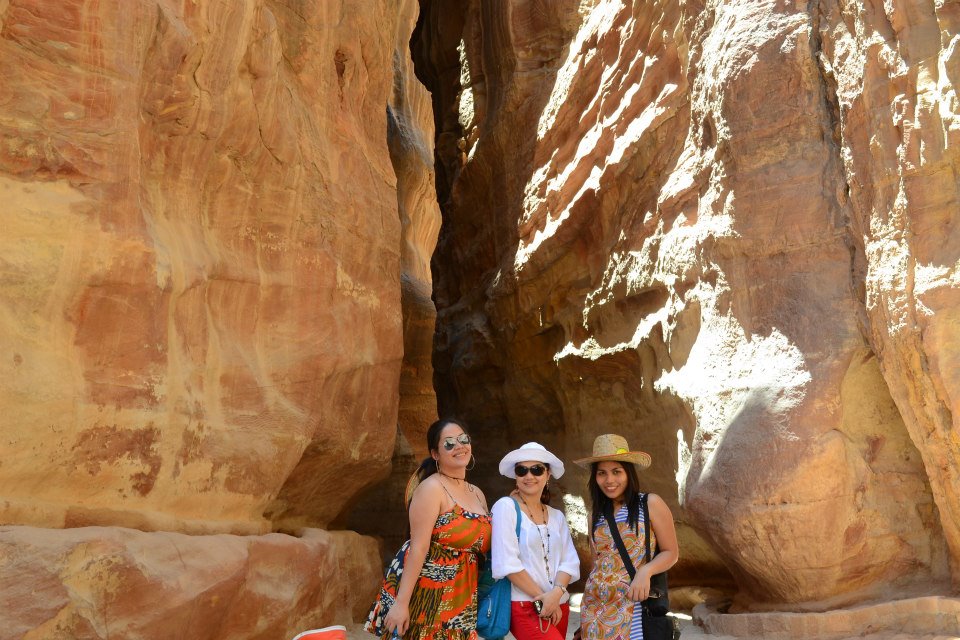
(430, 588)
(610, 609)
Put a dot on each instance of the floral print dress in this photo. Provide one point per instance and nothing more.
(443, 605)
(606, 612)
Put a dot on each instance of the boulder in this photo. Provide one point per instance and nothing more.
(110, 582)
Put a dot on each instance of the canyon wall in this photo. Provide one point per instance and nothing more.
(725, 229)
(200, 287)
(205, 294)
(112, 582)
(410, 135)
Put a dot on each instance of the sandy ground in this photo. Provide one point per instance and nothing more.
(688, 629)
(691, 631)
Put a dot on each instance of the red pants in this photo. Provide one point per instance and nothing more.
(525, 624)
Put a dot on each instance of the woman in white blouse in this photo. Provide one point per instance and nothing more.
(542, 561)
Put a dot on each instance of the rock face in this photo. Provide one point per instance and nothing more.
(726, 229)
(107, 582)
(692, 224)
(200, 265)
(926, 617)
(201, 325)
(410, 135)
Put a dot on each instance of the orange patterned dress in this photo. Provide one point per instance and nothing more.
(443, 605)
(605, 612)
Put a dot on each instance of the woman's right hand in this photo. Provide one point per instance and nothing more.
(639, 587)
(398, 618)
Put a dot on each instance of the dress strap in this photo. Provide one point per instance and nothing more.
(447, 491)
(450, 495)
(458, 504)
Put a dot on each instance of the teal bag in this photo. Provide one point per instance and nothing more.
(493, 600)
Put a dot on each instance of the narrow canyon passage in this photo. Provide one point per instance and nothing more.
(252, 249)
(672, 221)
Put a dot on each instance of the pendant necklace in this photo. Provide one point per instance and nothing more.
(458, 481)
(544, 542)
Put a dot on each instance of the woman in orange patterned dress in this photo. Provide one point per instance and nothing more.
(610, 609)
(430, 588)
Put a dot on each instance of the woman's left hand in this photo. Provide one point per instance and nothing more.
(639, 588)
(557, 616)
(551, 603)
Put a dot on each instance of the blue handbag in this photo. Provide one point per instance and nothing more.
(493, 600)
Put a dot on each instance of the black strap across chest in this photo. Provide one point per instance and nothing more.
(658, 601)
(618, 541)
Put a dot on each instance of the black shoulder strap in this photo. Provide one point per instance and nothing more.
(658, 599)
(646, 526)
(615, 532)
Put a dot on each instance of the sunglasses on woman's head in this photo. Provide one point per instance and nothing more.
(537, 470)
(450, 442)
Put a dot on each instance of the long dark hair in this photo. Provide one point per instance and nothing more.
(546, 495)
(599, 502)
(429, 466)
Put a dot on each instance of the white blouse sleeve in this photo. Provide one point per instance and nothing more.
(504, 546)
(569, 560)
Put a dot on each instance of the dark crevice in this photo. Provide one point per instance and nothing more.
(835, 172)
(436, 63)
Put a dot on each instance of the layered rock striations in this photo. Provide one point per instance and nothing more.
(200, 276)
(721, 229)
(109, 582)
(200, 306)
(410, 133)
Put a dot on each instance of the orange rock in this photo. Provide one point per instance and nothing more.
(101, 582)
(201, 303)
(693, 224)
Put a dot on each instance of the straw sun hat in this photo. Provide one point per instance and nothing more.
(613, 448)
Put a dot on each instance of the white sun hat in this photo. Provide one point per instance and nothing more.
(530, 451)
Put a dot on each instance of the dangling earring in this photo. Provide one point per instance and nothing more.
(473, 462)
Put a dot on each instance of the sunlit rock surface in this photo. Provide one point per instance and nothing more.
(200, 262)
(692, 224)
(410, 134)
(108, 582)
(200, 307)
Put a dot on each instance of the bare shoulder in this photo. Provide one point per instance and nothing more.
(429, 489)
(653, 498)
(657, 503)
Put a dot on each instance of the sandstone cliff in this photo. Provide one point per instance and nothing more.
(200, 307)
(725, 229)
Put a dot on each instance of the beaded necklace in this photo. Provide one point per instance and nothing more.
(544, 542)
